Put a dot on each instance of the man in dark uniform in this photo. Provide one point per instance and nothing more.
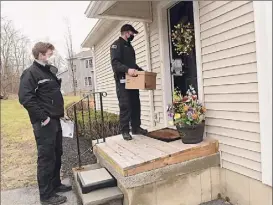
(123, 60)
(40, 94)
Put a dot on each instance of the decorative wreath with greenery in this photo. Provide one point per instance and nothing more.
(182, 38)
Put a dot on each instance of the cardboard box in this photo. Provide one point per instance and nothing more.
(144, 81)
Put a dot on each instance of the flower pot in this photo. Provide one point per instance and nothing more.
(191, 134)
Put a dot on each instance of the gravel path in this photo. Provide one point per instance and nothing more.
(70, 159)
(70, 155)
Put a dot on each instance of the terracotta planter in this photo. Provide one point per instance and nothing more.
(191, 134)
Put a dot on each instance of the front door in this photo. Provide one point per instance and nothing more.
(183, 65)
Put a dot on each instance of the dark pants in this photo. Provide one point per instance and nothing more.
(129, 106)
(49, 146)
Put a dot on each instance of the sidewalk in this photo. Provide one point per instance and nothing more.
(30, 196)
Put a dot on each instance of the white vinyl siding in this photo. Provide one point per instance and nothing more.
(230, 83)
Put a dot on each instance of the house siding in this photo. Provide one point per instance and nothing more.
(230, 83)
(80, 74)
(228, 52)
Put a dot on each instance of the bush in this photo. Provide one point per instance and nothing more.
(79, 107)
(93, 127)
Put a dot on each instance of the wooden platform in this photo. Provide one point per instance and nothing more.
(143, 154)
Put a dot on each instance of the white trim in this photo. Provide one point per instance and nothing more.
(102, 26)
(149, 68)
(124, 18)
(263, 32)
(98, 9)
(94, 70)
(164, 54)
(95, 8)
(198, 51)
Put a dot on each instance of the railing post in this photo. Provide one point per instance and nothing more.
(95, 114)
(90, 124)
(83, 123)
(102, 117)
(77, 136)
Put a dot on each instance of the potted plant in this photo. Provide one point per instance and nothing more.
(188, 115)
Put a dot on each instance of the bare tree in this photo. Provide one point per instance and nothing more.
(70, 54)
(58, 61)
(14, 54)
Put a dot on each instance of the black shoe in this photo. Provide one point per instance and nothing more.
(63, 188)
(54, 200)
(139, 131)
(126, 136)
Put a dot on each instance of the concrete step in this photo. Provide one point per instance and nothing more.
(94, 179)
(216, 202)
(102, 196)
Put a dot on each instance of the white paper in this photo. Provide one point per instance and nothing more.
(68, 128)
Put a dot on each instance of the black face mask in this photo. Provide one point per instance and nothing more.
(131, 38)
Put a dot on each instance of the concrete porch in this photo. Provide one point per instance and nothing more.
(153, 172)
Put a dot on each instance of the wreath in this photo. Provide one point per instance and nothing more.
(182, 38)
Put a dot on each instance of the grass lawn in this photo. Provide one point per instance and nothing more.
(18, 148)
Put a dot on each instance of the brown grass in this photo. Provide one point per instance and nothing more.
(18, 148)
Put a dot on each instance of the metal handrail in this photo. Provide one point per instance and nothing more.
(73, 109)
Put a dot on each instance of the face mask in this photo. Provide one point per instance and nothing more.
(51, 60)
(131, 38)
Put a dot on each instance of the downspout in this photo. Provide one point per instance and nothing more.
(95, 89)
(149, 68)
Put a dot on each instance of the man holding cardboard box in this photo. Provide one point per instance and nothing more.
(123, 60)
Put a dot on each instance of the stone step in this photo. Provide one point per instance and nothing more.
(216, 202)
(94, 179)
(102, 196)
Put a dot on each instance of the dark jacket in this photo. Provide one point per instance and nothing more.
(123, 57)
(40, 93)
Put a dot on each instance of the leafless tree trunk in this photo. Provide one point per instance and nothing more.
(70, 55)
(14, 52)
(58, 60)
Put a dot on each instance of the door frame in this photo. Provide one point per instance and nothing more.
(162, 14)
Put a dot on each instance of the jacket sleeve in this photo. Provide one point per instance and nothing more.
(115, 52)
(139, 68)
(28, 98)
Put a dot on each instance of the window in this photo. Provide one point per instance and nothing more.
(91, 63)
(86, 63)
(88, 81)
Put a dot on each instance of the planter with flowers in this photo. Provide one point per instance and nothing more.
(188, 116)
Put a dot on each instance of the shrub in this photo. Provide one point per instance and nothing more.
(93, 127)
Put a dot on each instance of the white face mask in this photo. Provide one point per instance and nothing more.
(51, 60)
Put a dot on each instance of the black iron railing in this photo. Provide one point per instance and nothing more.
(92, 121)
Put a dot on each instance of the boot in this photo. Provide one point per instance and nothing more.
(126, 136)
(63, 188)
(54, 200)
(139, 131)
